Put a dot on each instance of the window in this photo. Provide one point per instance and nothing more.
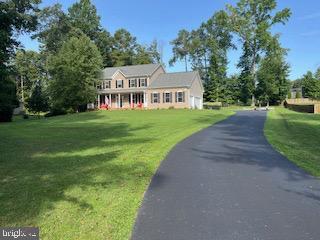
(179, 96)
(167, 97)
(132, 83)
(143, 82)
(99, 86)
(155, 98)
(119, 84)
(107, 84)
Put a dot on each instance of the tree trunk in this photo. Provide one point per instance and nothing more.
(186, 62)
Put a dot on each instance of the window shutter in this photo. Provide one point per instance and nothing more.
(151, 97)
(145, 83)
(116, 84)
(163, 97)
(158, 97)
(138, 82)
(183, 97)
(176, 96)
(122, 83)
(171, 97)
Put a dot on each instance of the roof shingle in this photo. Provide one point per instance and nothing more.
(130, 71)
(171, 80)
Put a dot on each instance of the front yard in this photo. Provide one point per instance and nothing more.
(297, 136)
(83, 176)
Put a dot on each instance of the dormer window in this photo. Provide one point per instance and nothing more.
(119, 84)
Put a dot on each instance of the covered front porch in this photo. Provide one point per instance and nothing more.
(124, 100)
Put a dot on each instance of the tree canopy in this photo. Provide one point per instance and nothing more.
(75, 70)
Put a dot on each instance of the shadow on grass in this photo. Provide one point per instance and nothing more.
(56, 156)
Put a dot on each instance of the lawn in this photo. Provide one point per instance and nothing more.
(83, 176)
(297, 136)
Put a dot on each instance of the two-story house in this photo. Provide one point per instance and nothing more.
(149, 86)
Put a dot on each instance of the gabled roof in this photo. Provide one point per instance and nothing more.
(130, 71)
(172, 80)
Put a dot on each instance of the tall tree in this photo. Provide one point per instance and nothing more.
(219, 41)
(54, 28)
(311, 85)
(38, 101)
(252, 20)
(29, 66)
(16, 16)
(74, 70)
(272, 76)
(83, 15)
(124, 46)
(181, 48)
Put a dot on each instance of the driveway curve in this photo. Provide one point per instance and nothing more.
(227, 182)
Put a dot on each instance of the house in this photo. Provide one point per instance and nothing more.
(148, 86)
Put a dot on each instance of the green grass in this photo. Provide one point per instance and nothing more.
(83, 176)
(297, 136)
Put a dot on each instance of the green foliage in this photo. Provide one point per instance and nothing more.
(181, 48)
(30, 69)
(74, 70)
(15, 17)
(311, 85)
(272, 76)
(7, 98)
(298, 94)
(252, 22)
(38, 101)
(83, 15)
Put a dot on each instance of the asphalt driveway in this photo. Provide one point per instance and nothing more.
(227, 182)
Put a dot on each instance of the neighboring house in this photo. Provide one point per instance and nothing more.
(149, 86)
(295, 91)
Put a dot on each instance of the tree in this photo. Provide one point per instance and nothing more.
(38, 101)
(83, 15)
(181, 48)
(272, 76)
(219, 41)
(252, 20)
(311, 85)
(29, 66)
(54, 28)
(15, 17)
(124, 46)
(74, 70)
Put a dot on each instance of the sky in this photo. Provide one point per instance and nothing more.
(161, 20)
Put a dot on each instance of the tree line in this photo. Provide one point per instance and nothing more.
(74, 47)
(308, 86)
(263, 70)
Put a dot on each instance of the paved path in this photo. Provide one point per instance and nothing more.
(227, 182)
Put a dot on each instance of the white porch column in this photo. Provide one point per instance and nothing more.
(110, 100)
(119, 100)
(105, 99)
(99, 101)
(131, 100)
(145, 99)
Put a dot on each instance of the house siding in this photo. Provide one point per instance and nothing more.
(174, 104)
